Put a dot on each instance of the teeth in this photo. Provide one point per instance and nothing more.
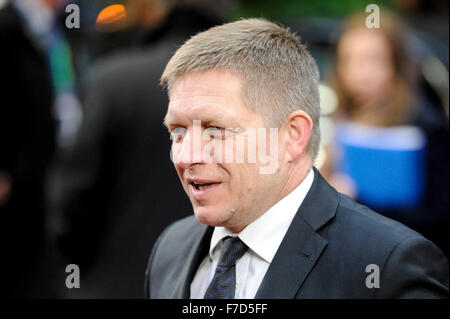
(202, 187)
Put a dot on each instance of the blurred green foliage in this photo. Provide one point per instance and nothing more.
(289, 9)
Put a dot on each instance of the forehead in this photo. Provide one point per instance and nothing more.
(210, 83)
(202, 94)
(363, 40)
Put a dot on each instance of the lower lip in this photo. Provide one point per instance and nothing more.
(204, 193)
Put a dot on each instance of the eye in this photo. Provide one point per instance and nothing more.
(215, 128)
(177, 134)
(215, 132)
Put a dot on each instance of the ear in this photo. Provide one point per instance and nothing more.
(299, 128)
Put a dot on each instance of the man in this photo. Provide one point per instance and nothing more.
(281, 232)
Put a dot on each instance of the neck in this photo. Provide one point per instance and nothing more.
(296, 175)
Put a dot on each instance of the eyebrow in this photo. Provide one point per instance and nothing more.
(207, 119)
(168, 119)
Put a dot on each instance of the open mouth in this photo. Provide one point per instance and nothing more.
(201, 187)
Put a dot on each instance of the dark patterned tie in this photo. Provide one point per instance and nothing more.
(223, 284)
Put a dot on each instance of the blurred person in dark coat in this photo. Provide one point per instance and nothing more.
(116, 189)
(27, 141)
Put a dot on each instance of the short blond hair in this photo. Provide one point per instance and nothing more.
(278, 74)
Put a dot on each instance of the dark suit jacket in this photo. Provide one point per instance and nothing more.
(324, 254)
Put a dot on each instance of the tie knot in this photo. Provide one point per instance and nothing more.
(232, 249)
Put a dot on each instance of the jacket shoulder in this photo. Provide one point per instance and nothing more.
(169, 255)
(409, 264)
(178, 237)
(361, 219)
(185, 229)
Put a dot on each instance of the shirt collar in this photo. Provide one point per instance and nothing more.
(264, 235)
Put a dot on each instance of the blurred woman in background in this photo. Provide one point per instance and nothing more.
(374, 81)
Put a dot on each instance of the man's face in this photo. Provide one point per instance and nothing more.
(222, 193)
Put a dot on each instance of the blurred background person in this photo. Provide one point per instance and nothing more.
(115, 190)
(390, 149)
(36, 91)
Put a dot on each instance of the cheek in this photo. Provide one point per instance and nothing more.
(386, 75)
(180, 172)
(349, 77)
(238, 183)
(250, 180)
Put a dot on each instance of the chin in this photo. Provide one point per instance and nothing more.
(209, 216)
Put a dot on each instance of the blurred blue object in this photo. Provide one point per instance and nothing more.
(386, 164)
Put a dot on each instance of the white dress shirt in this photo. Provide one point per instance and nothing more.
(263, 237)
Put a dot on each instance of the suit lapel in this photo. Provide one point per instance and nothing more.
(293, 261)
(302, 245)
(198, 251)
